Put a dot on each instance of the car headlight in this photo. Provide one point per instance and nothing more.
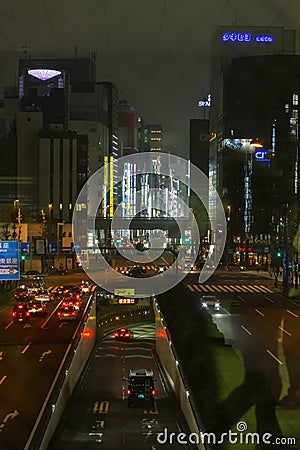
(204, 304)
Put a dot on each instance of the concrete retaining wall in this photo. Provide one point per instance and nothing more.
(167, 356)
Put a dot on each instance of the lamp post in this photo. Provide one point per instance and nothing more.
(50, 209)
(16, 206)
(59, 224)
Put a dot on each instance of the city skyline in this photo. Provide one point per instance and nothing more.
(159, 60)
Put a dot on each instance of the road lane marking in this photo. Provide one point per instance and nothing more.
(216, 288)
(10, 323)
(242, 289)
(259, 312)
(209, 288)
(51, 315)
(26, 348)
(264, 288)
(95, 408)
(291, 312)
(246, 329)
(3, 379)
(152, 411)
(275, 357)
(234, 288)
(269, 299)
(103, 408)
(48, 352)
(285, 331)
(190, 288)
(1, 356)
(242, 298)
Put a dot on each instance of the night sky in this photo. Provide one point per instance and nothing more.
(155, 51)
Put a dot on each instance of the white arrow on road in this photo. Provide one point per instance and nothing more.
(11, 415)
(48, 352)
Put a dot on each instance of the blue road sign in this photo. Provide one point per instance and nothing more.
(9, 260)
(76, 247)
(52, 248)
(25, 248)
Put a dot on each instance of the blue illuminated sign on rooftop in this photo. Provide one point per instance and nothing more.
(246, 37)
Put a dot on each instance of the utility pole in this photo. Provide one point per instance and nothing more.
(285, 278)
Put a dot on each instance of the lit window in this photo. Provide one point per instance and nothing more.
(295, 99)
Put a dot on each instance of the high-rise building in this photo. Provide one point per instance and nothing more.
(236, 122)
(229, 42)
(153, 138)
(258, 181)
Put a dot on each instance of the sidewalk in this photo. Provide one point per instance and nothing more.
(293, 294)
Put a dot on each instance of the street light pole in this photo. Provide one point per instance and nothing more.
(285, 278)
(58, 241)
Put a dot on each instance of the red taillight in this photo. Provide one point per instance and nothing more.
(153, 392)
(58, 313)
(126, 334)
(116, 334)
(73, 313)
(128, 392)
(27, 314)
(14, 314)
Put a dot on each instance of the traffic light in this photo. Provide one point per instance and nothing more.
(23, 257)
(278, 254)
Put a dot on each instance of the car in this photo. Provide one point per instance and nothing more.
(123, 334)
(186, 263)
(36, 307)
(85, 287)
(234, 267)
(210, 300)
(43, 295)
(66, 313)
(134, 271)
(22, 293)
(52, 271)
(161, 268)
(66, 290)
(140, 387)
(198, 265)
(235, 303)
(21, 313)
(72, 301)
(32, 274)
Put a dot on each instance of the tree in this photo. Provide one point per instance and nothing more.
(5, 224)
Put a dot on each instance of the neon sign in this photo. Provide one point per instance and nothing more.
(246, 37)
(205, 101)
(261, 154)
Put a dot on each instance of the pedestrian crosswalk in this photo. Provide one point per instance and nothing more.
(121, 268)
(208, 288)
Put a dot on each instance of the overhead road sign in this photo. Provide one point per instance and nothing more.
(76, 247)
(9, 260)
(124, 292)
(25, 248)
(52, 248)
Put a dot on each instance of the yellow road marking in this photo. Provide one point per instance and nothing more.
(26, 348)
(3, 379)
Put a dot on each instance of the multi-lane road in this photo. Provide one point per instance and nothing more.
(30, 355)
(97, 414)
(256, 319)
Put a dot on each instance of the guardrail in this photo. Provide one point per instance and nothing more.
(167, 355)
(68, 373)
